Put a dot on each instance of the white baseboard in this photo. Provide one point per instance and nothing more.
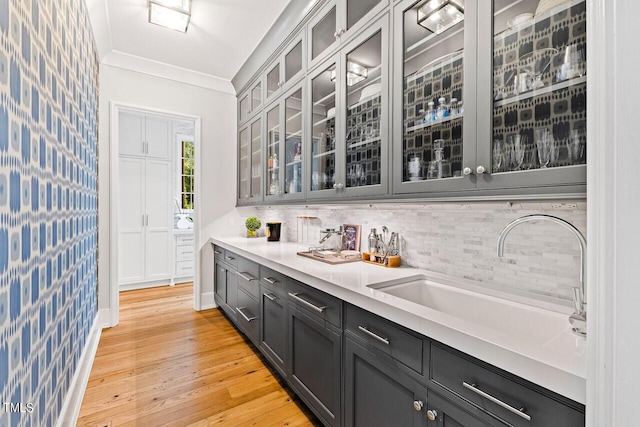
(207, 301)
(143, 285)
(73, 400)
(104, 317)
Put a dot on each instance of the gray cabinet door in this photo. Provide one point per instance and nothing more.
(273, 336)
(379, 394)
(220, 284)
(314, 370)
(232, 295)
(443, 413)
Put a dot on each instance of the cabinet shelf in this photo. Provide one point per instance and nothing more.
(295, 162)
(326, 153)
(293, 135)
(547, 89)
(361, 143)
(436, 122)
(296, 115)
(322, 100)
(364, 101)
(326, 119)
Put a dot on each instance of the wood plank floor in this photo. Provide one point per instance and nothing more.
(168, 365)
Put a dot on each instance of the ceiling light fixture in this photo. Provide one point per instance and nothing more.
(355, 73)
(439, 15)
(172, 14)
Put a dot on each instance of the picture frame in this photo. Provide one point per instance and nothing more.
(351, 237)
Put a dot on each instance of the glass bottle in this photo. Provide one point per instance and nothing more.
(431, 112)
(453, 108)
(275, 161)
(373, 240)
(442, 110)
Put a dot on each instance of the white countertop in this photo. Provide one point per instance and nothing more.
(559, 365)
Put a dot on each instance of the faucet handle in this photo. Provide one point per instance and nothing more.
(578, 300)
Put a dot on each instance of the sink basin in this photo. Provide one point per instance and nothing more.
(539, 326)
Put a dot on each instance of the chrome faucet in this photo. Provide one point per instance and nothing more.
(578, 319)
(329, 232)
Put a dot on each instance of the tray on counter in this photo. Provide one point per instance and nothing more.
(329, 259)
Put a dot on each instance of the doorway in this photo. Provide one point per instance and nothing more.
(154, 214)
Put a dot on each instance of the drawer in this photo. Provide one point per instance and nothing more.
(276, 282)
(184, 253)
(184, 268)
(387, 337)
(247, 310)
(315, 302)
(184, 240)
(501, 394)
(218, 253)
(248, 273)
(230, 258)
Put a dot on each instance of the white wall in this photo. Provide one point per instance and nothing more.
(217, 111)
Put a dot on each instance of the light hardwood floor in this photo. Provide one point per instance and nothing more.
(166, 364)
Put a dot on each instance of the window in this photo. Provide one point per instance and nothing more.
(186, 180)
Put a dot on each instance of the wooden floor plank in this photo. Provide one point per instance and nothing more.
(166, 364)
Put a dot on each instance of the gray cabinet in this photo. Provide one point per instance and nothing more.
(226, 289)
(442, 412)
(315, 351)
(250, 162)
(349, 153)
(378, 393)
(250, 102)
(273, 315)
(491, 100)
(287, 68)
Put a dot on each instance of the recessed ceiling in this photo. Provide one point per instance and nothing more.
(221, 36)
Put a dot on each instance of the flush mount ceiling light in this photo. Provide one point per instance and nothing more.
(439, 15)
(172, 14)
(355, 73)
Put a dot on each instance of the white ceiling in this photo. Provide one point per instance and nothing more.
(221, 36)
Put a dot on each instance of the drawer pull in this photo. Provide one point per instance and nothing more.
(230, 258)
(248, 319)
(271, 297)
(520, 412)
(217, 252)
(246, 277)
(373, 335)
(270, 280)
(307, 303)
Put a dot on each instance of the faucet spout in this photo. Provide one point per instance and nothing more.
(578, 318)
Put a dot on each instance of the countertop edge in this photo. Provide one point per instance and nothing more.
(568, 384)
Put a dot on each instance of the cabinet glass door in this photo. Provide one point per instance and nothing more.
(324, 33)
(256, 97)
(293, 62)
(245, 107)
(537, 133)
(273, 80)
(435, 50)
(357, 9)
(323, 130)
(293, 143)
(256, 162)
(243, 164)
(539, 85)
(273, 152)
(362, 70)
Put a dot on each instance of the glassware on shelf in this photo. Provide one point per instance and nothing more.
(576, 145)
(430, 116)
(545, 145)
(497, 155)
(415, 169)
(443, 109)
(574, 64)
(532, 67)
(518, 147)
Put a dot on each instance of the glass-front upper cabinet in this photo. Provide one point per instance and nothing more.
(349, 102)
(250, 102)
(337, 23)
(273, 153)
(434, 67)
(250, 162)
(539, 89)
(287, 68)
(293, 142)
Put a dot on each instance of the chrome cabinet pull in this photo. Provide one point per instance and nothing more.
(217, 252)
(520, 412)
(248, 319)
(374, 335)
(270, 280)
(230, 258)
(296, 297)
(246, 277)
(270, 296)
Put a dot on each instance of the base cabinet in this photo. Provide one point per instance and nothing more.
(380, 394)
(273, 314)
(443, 413)
(315, 351)
(226, 289)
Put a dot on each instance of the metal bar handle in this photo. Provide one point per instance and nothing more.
(230, 258)
(520, 412)
(246, 276)
(270, 296)
(307, 303)
(217, 252)
(374, 335)
(270, 280)
(248, 319)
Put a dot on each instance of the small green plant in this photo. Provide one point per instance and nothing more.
(252, 223)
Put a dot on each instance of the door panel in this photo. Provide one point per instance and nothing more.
(158, 180)
(131, 220)
(130, 133)
(158, 137)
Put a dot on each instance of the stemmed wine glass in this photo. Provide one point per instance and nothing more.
(498, 155)
(575, 146)
(517, 146)
(536, 63)
(545, 145)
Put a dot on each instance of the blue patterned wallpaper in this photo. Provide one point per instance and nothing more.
(48, 203)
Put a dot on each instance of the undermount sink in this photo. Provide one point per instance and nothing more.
(539, 326)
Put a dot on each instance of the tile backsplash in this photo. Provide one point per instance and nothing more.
(540, 260)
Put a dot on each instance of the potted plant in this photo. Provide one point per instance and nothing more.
(253, 224)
